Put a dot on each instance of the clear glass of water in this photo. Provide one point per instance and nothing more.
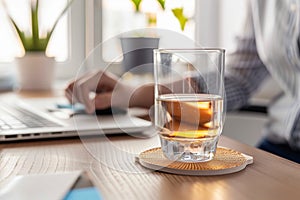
(189, 93)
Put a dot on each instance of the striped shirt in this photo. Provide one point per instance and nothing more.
(269, 46)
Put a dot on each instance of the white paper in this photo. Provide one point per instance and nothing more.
(39, 186)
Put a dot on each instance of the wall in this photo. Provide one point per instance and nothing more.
(245, 127)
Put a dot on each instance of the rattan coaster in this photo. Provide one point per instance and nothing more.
(225, 161)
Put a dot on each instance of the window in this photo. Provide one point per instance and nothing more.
(231, 23)
(219, 21)
(67, 43)
(119, 16)
(212, 23)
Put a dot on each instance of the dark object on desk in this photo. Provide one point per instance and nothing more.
(79, 109)
(110, 111)
(255, 108)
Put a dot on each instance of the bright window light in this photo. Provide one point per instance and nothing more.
(48, 12)
(119, 16)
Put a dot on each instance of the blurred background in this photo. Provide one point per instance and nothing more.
(213, 23)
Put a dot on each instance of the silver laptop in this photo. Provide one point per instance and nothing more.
(39, 118)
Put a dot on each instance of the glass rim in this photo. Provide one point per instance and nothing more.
(188, 50)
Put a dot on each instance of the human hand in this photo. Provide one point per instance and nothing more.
(99, 90)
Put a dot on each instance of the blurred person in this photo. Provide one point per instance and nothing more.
(268, 46)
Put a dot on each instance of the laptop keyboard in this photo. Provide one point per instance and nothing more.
(19, 118)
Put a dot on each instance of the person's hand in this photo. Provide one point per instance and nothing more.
(99, 90)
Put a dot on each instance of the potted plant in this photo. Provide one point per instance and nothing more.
(177, 12)
(137, 50)
(35, 70)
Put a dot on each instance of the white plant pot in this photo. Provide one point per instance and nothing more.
(35, 71)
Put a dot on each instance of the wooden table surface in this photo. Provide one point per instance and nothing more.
(118, 176)
(111, 163)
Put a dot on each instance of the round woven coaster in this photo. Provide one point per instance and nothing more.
(225, 161)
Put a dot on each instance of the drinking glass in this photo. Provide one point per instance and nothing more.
(189, 93)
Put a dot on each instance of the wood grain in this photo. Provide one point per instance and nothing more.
(111, 162)
(118, 176)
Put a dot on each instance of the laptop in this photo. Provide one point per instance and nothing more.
(37, 118)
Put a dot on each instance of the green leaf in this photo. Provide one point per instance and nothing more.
(34, 42)
(28, 43)
(20, 33)
(162, 3)
(137, 4)
(178, 13)
(35, 23)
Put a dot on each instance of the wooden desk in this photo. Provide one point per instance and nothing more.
(119, 177)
